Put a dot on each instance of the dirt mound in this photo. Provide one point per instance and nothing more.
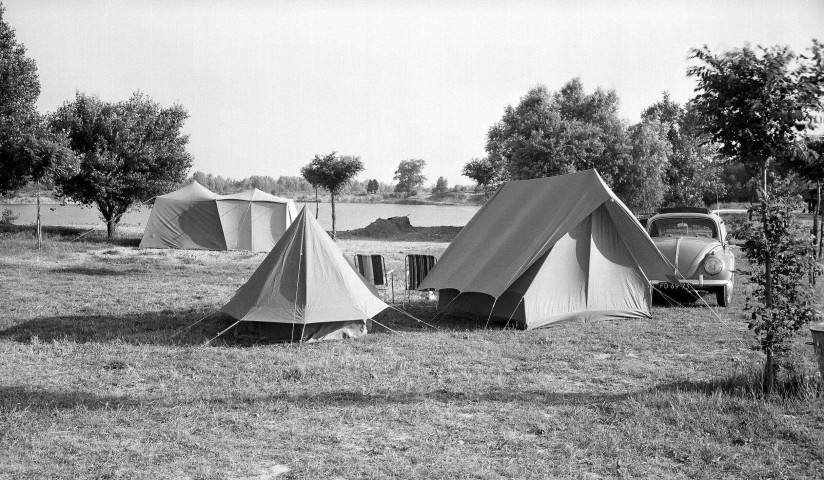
(383, 228)
(400, 229)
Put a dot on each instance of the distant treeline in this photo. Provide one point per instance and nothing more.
(288, 186)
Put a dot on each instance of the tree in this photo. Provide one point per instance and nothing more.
(556, 133)
(409, 175)
(640, 181)
(372, 186)
(40, 157)
(441, 186)
(19, 89)
(483, 172)
(693, 173)
(332, 172)
(130, 152)
(755, 105)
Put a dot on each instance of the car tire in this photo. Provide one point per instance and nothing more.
(723, 296)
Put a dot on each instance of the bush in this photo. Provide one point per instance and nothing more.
(7, 217)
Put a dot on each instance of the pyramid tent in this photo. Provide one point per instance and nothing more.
(305, 288)
(549, 250)
(195, 218)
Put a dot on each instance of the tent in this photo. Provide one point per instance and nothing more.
(305, 289)
(195, 218)
(549, 250)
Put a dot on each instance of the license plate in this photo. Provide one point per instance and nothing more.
(671, 286)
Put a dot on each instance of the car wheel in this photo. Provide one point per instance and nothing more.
(723, 296)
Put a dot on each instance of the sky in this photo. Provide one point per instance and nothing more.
(270, 84)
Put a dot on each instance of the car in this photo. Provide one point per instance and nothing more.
(694, 240)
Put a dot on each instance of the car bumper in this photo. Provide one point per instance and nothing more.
(699, 284)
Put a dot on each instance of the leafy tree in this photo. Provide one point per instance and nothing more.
(532, 140)
(130, 152)
(640, 180)
(694, 174)
(755, 105)
(556, 133)
(41, 157)
(372, 186)
(332, 172)
(409, 175)
(19, 89)
(483, 172)
(441, 186)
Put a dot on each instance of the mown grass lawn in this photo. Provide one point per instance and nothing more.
(99, 379)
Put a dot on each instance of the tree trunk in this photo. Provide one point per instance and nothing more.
(39, 226)
(769, 373)
(111, 226)
(334, 232)
(817, 220)
(768, 256)
(816, 236)
(769, 369)
(317, 204)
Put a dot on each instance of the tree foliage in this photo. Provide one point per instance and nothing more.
(19, 120)
(694, 173)
(129, 151)
(755, 104)
(332, 172)
(409, 175)
(441, 186)
(372, 186)
(553, 133)
(484, 173)
(782, 243)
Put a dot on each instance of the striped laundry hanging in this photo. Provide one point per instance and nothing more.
(372, 268)
(418, 267)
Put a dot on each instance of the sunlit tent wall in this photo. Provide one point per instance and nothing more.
(550, 250)
(305, 289)
(195, 218)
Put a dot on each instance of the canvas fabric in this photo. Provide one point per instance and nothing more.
(195, 218)
(305, 280)
(550, 250)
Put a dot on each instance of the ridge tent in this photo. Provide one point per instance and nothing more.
(549, 250)
(195, 218)
(305, 289)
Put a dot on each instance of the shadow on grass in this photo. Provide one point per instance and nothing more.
(97, 271)
(17, 397)
(156, 328)
(748, 385)
(425, 311)
(72, 234)
(21, 397)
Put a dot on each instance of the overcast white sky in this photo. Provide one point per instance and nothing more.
(270, 84)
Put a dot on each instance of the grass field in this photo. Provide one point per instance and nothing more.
(99, 379)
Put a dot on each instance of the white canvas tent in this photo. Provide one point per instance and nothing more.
(549, 250)
(195, 218)
(305, 288)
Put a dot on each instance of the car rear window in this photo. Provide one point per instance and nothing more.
(683, 227)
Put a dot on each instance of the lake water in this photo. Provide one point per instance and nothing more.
(349, 215)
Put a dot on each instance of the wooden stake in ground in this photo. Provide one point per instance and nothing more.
(39, 232)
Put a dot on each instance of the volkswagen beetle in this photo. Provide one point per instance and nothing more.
(694, 240)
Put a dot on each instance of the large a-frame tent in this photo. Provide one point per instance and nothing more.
(305, 289)
(195, 218)
(549, 250)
